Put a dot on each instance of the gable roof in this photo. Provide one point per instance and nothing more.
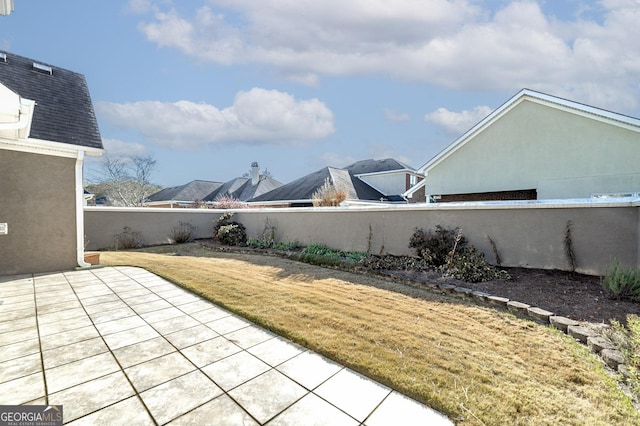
(192, 191)
(64, 111)
(302, 189)
(594, 113)
(228, 188)
(376, 166)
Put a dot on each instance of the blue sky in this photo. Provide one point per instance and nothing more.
(209, 86)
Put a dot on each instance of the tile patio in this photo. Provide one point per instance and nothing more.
(120, 345)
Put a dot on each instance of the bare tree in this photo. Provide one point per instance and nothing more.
(126, 181)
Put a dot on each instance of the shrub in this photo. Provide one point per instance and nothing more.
(182, 233)
(229, 233)
(630, 347)
(128, 239)
(622, 283)
(448, 251)
(434, 247)
(319, 254)
(394, 263)
(229, 202)
(292, 245)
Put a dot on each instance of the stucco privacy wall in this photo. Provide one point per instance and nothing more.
(534, 146)
(37, 201)
(525, 235)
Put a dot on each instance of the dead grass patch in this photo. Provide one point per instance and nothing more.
(477, 365)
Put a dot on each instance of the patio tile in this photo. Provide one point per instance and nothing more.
(68, 337)
(54, 299)
(398, 409)
(158, 370)
(20, 367)
(275, 351)
(57, 307)
(73, 352)
(191, 336)
(175, 324)
(193, 307)
(20, 349)
(17, 314)
(74, 373)
(235, 370)
(119, 325)
(134, 292)
(16, 306)
(129, 337)
(172, 291)
(18, 298)
(145, 307)
(179, 396)
(93, 299)
(22, 390)
(267, 395)
(18, 324)
(106, 306)
(220, 408)
(126, 412)
(16, 336)
(314, 411)
(161, 315)
(309, 369)
(93, 395)
(143, 351)
(64, 325)
(227, 324)
(210, 351)
(51, 317)
(354, 394)
(182, 300)
(107, 315)
(140, 298)
(249, 336)
(210, 314)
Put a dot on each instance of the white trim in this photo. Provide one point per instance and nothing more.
(55, 149)
(629, 123)
(409, 192)
(80, 212)
(388, 172)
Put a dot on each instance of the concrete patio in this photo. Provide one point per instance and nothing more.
(123, 346)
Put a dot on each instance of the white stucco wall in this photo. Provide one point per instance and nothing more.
(534, 146)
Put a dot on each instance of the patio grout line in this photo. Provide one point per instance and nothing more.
(35, 312)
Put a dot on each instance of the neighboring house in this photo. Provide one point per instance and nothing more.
(47, 126)
(367, 180)
(182, 196)
(538, 146)
(244, 189)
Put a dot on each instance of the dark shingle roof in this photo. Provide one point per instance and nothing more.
(226, 189)
(192, 191)
(64, 111)
(376, 166)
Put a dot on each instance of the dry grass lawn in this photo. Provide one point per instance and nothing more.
(475, 364)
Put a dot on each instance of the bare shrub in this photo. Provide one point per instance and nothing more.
(328, 195)
(128, 239)
(182, 233)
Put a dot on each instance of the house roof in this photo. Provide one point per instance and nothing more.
(192, 191)
(249, 191)
(64, 111)
(304, 187)
(609, 117)
(227, 188)
(376, 166)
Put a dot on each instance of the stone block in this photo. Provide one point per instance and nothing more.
(481, 295)
(496, 300)
(579, 333)
(519, 307)
(562, 323)
(539, 315)
(598, 343)
(612, 358)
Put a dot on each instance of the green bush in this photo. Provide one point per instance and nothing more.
(229, 233)
(622, 283)
(287, 246)
(630, 347)
(319, 254)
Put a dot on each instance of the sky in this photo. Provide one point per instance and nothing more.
(209, 86)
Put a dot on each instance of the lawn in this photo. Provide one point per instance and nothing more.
(475, 364)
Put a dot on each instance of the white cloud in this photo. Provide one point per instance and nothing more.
(456, 123)
(392, 115)
(460, 44)
(258, 116)
(117, 147)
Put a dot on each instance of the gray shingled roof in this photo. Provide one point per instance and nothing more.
(64, 111)
(192, 191)
(227, 188)
(376, 166)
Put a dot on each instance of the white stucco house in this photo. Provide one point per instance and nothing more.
(538, 146)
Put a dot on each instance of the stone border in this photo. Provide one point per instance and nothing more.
(598, 345)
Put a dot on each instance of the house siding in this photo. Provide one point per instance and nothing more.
(37, 201)
(556, 152)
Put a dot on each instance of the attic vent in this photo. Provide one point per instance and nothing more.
(3, 57)
(44, 69)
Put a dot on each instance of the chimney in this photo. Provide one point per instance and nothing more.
(255, 173)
